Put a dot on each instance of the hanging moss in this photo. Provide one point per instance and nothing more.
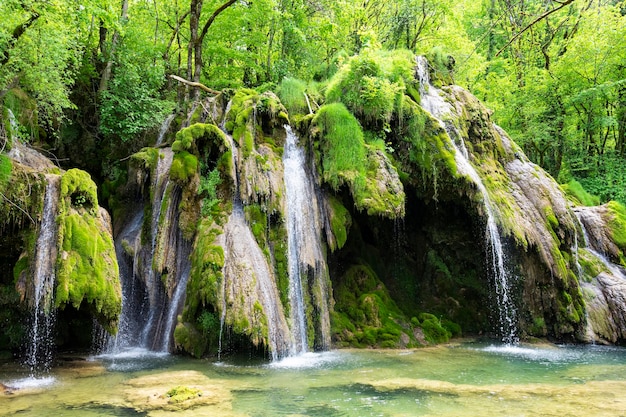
(145, 160)
(87, 270)
(6, 166)
(184, 166)
(340, 222)
(207, 260)
(342, 145)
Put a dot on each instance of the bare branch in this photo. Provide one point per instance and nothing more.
(194, 84)
(531, 24)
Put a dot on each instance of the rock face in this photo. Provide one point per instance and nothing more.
(398, 216)
(80, 255)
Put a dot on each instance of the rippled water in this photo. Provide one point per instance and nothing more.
(456, 380)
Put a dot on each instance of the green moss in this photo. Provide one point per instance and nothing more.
(189, 339)
(340, 222)
(87, 270)
(197, 137)
(184, 166)
(365, 315)
(146, 159)
(441, 67)
(181, 394)
(207, 260)
(617, 226)
(433, 330)
(6, 166)
(577, 193)
(79, 191)
(342, 145)
(590, 264)
(371, 84)
(279, 249)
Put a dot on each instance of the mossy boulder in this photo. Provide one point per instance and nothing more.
(87, 270)
(366, 316)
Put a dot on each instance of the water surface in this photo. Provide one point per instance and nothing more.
(455, 380)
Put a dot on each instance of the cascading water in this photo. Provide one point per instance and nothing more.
(147, 320)
(164, 128)
(245, 265)
(431, 101)
(304, 245)
(39, 349)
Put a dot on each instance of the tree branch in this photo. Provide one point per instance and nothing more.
(531, 24)
(216, 13)
(194, 84)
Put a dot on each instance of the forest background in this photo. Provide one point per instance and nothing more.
(89, 81)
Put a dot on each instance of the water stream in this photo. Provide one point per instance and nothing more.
(432, 102)
(164, 128)
(304, 237)
(247, 276)
(40, 334)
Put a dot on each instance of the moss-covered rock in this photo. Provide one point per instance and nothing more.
(345, 159)
(87, 270)
(366, 316)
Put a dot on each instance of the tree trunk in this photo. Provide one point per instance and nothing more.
(106, 73)
(620, 145)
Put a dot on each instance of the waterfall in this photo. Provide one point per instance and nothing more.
(431, 101)
(146, 320)
(39, 350)
(164, 128)
(248, 283)
(128, 251)
(304, 240)
(152, 279)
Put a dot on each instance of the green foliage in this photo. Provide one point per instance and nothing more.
(371, 84)
(291, 92)
(208, 191)
(133, 101)
(577, 192)
(602, 175)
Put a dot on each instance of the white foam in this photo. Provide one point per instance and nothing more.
(540, 354)
(132, 353)
(31, 383)
(307, 360)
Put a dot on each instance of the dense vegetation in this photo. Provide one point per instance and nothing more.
(94, 75)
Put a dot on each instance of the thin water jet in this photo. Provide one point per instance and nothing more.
(432, 102)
